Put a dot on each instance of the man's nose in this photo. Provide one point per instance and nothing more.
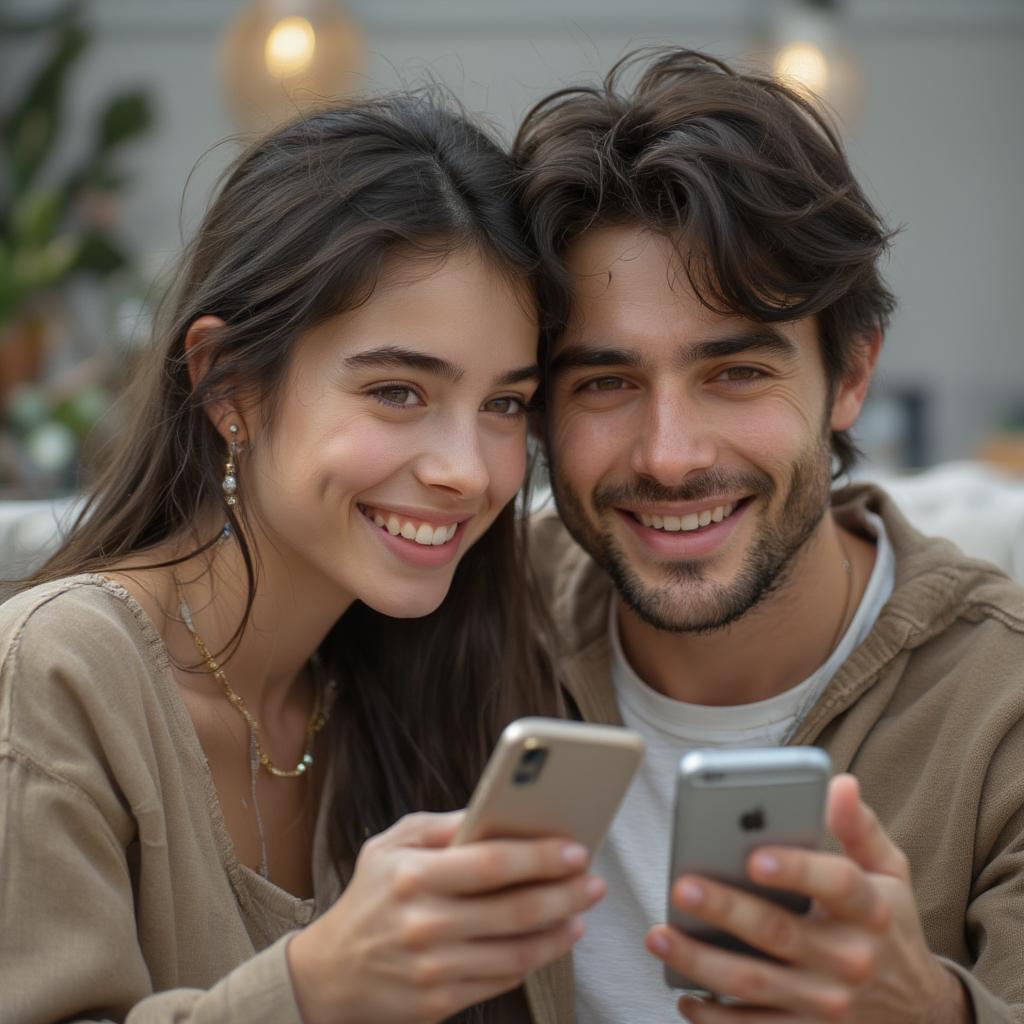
(675, 439)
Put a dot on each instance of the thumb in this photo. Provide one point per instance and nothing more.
(859, 831)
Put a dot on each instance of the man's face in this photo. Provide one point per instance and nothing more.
(689, 451)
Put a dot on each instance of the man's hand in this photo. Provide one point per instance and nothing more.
(859, 956)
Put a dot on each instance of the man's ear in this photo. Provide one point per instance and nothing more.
(198, 347)
(853, 388)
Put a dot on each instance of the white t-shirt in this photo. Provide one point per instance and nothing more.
(616, 978)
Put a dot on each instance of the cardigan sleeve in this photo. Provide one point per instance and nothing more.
(994, 917)
(92, 792)
(68, 947)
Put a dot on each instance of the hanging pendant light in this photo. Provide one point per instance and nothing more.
(809, 52)
(281, 58)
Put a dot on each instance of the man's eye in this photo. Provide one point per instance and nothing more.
(741, 374)
(396, 395)
(507, 405)
(604, 384)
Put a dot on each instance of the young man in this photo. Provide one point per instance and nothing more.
(714, 340)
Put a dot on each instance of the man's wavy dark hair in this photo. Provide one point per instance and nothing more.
(747, 176)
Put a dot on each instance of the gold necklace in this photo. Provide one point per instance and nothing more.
(848, 568)
(321, 709)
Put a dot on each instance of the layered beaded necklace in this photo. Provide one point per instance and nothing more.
(318, 719)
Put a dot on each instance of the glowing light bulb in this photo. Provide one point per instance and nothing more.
(290, 46)
(804, 63)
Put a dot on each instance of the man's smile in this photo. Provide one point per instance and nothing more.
(673, 522)
(680, 534)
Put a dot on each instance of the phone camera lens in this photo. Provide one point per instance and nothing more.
(531, 761)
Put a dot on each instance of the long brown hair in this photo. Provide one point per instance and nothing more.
(746, 175)
(300, 230)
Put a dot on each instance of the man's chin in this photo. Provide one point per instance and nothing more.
(669, 612)
(685, 597)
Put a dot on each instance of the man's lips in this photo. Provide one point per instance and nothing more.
(679, 518)
(684, 536)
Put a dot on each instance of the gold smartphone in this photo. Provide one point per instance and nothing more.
(549, 777)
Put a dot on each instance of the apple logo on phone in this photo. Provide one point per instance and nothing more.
(752, 821)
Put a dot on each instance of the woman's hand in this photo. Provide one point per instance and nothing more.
(424, 929)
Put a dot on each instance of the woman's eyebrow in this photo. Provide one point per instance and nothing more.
(393, 355)
(518, 376)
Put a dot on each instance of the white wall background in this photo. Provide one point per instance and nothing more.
(939, 142)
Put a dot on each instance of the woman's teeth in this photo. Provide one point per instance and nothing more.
(419, 532)
(692, 521)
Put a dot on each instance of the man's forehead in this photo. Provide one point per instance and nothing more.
(630, 288)
(603, 254)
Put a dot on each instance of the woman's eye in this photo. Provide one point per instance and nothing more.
(507, 405)
(396, 394)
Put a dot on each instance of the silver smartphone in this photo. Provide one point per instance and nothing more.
(549, 777)
(728, 804)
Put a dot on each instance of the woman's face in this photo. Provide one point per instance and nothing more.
(399, 436)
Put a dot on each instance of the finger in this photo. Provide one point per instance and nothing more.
(707, 1011)
(489, 865)
(494, 958)
(859, 831)
(839, 952)
(843, 952)
(757, 982)
(528, 909)
(421, 829)
(524, 910)
(839, 885)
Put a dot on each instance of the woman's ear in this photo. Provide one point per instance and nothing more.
(853, 388)
(198, 348)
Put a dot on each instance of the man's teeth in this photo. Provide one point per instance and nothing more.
(692, 521)
(423, 533)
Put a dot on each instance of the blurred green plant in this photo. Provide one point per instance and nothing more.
(56, 223)
(49, 228)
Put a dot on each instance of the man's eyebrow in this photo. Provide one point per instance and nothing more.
(582, 356)
(395, 356)
(762, 339)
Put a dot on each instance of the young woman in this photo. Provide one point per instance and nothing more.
(292, 612)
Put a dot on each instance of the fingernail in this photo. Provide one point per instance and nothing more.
(659, 944)
(574, 855)
(594, 887)
(576, 928)
(766, 864)
(690, 893)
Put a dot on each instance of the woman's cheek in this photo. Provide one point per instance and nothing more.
(508, 469)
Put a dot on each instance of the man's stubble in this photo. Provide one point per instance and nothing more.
(688, 601)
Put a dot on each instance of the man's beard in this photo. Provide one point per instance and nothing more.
(689, 602)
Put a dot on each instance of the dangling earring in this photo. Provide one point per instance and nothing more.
(230, 483)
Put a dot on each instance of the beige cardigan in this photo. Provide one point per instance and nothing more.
(120, 895)
(928, 712)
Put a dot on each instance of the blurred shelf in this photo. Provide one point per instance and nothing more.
(1005, 452)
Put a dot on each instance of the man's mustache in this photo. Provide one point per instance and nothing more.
(711, 484)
